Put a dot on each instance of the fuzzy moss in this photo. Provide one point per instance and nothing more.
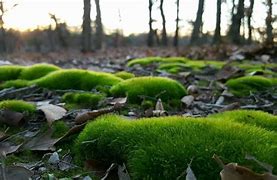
(18, 106)
(244, 85)
(154, 87)
(76, 79)
(18, 83)
(124, 75)
(84, 99)
(10, 72)
(160, 148)
(37, 71)
(59, 129)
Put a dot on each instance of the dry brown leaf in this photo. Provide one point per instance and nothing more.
(228, 71)
(11, 118)
(43, 142)
(118, 101)
(159, 109)
(52, 112)
(16, 173)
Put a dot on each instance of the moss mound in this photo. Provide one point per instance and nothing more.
(37, 71)
(18, 83)
(76, 79)
(161, 148)
(124, 75)
(244, 85)
(10, 72)
(18, 106)
(82, 100)
(154, 87)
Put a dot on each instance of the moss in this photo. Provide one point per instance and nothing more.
(10, 72)
(154, 87)
(76, 79)
(146, 104)
(256, 118)
(37, 71)
(59, 129)
(18, 106)
(124, 75)
(160, 148)
(244, 85)
(144, 61)
(83, 100)
(18, 83)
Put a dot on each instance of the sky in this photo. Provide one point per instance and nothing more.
(129, 15)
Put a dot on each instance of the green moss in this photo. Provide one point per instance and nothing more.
(10, 72)
(37, 71)
(161, 148)
(256, 118)
(59, 129)
(76, 79)
(124, 75)
(18, 83)
(83, 100)
(144, 61)
(18, 106)
(244, 85)
(154, 87)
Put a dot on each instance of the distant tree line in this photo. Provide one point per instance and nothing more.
(93, 37)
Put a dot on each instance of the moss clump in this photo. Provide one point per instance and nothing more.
(244, 85)
(144, 61)
(154, 87)
(18, 106)
(76, 79)
(18, 83)
(83, 100)
(10, 72)
(124, 75)
(59, 129)
(37, 71)
(160, 148)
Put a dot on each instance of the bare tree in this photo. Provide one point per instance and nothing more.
(164, 34)
(197, 25)
(268, 22)
(176, 37)
(86, 32)
(217, 34)
(234, 31)
(61, 30)
(150, 40)
(99, 27)
(249, 13)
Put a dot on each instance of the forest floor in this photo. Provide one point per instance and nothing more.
(28, 150)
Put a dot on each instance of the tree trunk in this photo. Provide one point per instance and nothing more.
(195, 36)
(176, 37)
(217, 34)
(86, 27)
(164, 34)
(150, 40)
(234, 32)
(268, 21)
(99, 27)
(249, 16)
(3, 47)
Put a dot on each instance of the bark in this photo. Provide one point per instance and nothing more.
(99, 26)
(234, 32)
(176, 37)
(164, 34)
(197, 23)
(268, 21)
(217, 34)
(150, 40)
(86, 27)
(3, 47)
(249, 17)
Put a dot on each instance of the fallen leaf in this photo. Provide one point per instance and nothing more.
(123, 173)
(8, 147)
(228, 71)
(52, 112)
(118, 101)
(43, 142)
(187, 100)
(15, 173)
(266, 166)
(159, 109)
(11, 118)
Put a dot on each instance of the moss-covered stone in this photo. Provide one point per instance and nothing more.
(18, 83)
(124, 75)
(160, 148)
(82, 100)
(10, 72)
(153, 87)
(37, 71)
(244, 85)
(76, 79)
(18, 106)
